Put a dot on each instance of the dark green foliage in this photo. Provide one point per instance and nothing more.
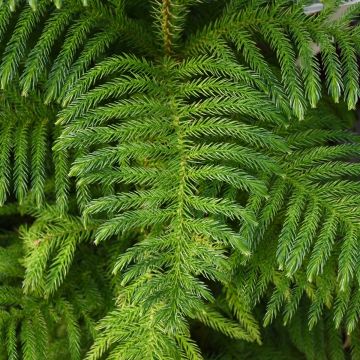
(34, 326)
(179, 179)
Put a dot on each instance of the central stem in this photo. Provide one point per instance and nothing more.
(181, 191)
(166, 26)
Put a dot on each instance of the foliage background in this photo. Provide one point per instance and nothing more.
(179, 179)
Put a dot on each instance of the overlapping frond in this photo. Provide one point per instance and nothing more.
(51, 243)
(311, 216)
(28, 322)
(295, 39)
(26, 134)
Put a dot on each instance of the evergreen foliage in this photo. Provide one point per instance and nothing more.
(179, 179)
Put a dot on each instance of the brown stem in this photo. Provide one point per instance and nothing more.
(166, 26)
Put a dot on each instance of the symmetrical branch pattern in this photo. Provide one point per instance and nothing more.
(178, 180)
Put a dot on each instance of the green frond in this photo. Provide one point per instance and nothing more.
(170, 202)
(25, 158)
(36, 60)
(21, 149)
(73, 331)
(291, 223)
(105, 68)
(276, 301)
(11, 340)
(304, 238)
(293, 302)
(16, 46)
(93, 48)
(6, 134)
(286, 57)
(330, 201)
(75, 37)
(51, 243)
(62, 183)
(340, 306)
(215, 320)
(190, 349)
(350, 69)
(308, 62)
(119, 324)
(29, 339)
(347, 257)
(322, 248)
(39, 147)
(332, 63)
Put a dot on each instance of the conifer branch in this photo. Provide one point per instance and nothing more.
(169, 203)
